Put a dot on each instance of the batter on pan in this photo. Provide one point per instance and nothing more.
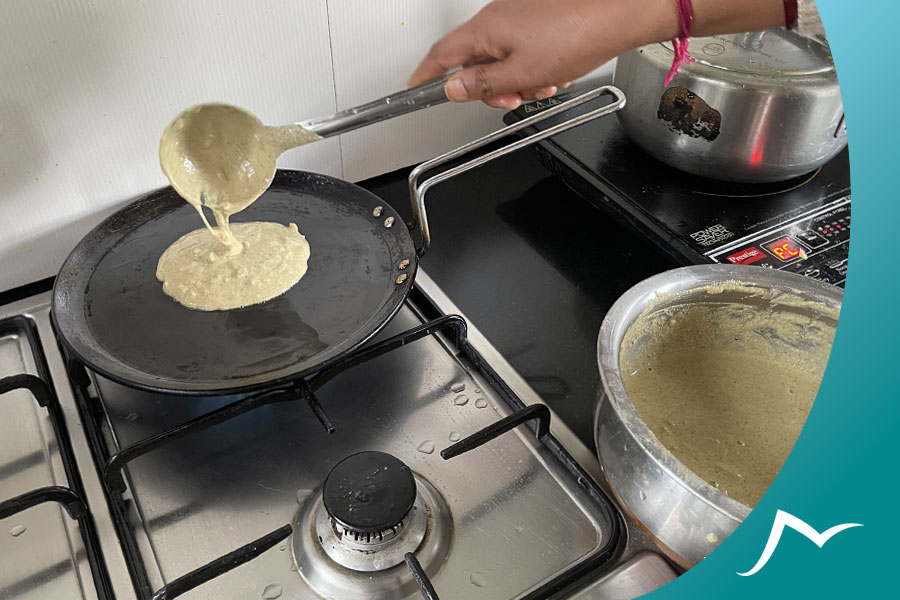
(223, 158)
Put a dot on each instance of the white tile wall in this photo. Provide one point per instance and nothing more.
(87, 86)
(375, 48)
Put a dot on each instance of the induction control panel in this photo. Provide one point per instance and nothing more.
(816, 246)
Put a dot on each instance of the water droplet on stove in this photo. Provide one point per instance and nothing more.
(454, 436)
(282, 547)
(477, 390)
(131, 417)
(426, 447)
(477, 579)
(17, 530)
(457, 387)
(481, 403)
(461, 400)
(272, 591)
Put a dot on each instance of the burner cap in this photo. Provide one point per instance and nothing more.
(369, 492)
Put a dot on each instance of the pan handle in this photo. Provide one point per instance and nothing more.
(418, 190)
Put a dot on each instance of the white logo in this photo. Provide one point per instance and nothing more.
(782, 520)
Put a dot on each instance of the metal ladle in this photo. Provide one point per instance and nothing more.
(245, 157)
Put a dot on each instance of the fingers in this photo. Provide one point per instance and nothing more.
(490, 81)
(514, 100)
(456, 48)
(504, 101)
(540, 93)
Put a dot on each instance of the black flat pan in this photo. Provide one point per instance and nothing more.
(111, 312)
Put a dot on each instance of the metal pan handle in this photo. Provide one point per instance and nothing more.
(418, 190)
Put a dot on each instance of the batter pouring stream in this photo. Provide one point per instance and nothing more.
(223, 158)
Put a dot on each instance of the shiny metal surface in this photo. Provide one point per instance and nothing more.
(419, 190)
(775, 93)
(639, 575)
(387, 582)
(41, 550)
(430, 93)
(687, 517)
(51, 569)
(161, 514)
(517, 518)
(636, 543)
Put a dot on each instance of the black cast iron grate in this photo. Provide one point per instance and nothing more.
(454, 327)
(71, 498)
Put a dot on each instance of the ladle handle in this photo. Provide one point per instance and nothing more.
(430, 93)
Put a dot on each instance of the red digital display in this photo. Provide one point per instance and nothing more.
(786, 249)
(747, 256)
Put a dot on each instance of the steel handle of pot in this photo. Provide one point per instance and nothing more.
(417, 190)
(430, 93)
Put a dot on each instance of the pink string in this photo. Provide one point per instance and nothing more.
(682, 57)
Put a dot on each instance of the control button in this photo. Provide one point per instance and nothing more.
(785, 249)
(747, 256)
(811, 238)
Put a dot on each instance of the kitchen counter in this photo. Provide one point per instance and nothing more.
(534, 267)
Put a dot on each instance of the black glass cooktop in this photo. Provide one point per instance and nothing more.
(802, 225)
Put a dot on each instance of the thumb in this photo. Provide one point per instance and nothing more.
(483, 81)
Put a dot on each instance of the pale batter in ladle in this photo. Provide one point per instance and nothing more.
(223, 157)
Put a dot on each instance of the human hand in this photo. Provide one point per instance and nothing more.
(526, 49)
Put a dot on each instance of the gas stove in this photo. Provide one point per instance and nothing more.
(425, 464)
(421, 466)
(801, 225)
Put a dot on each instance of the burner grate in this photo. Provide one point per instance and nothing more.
(453, 330)
(71, 498)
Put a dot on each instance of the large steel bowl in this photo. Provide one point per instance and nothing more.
(683, 514)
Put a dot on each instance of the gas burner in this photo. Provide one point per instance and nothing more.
(372, 514)
(352, 537)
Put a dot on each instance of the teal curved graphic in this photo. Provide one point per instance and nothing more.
(843, 469)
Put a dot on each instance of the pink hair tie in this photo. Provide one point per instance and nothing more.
(682, 57)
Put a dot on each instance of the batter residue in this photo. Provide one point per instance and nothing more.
(223, 157)
(726, 388)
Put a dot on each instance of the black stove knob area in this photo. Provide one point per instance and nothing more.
(369, 492)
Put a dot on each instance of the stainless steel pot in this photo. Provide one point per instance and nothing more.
(686, 516)
(753, 107)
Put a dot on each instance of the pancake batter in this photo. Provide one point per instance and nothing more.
(223, 157)
(726, 388)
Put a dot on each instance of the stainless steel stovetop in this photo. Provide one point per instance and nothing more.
(230, 505)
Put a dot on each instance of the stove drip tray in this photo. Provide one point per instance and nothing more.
(350, 538)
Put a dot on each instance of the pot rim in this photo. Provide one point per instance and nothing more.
(633, 303)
